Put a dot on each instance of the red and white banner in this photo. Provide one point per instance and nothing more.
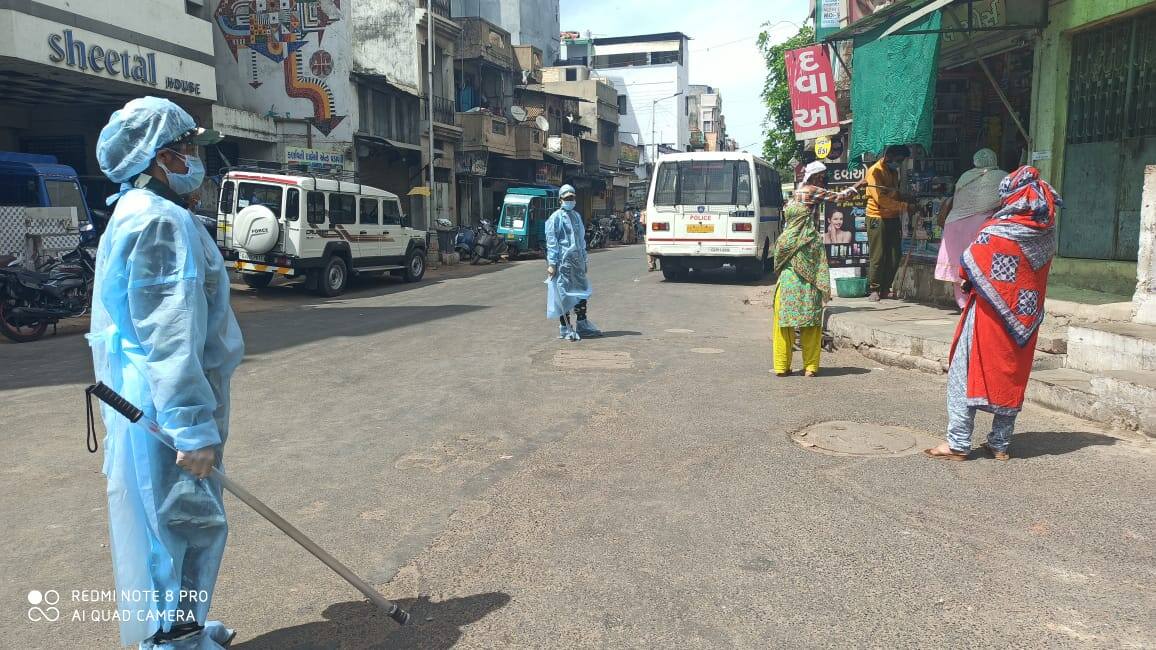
(812, 83)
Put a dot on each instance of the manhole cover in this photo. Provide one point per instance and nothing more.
(707, 350)
(842, 438)
(679, 331)
(593, 359)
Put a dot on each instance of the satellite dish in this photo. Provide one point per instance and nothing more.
(518, 113)
(542, 123)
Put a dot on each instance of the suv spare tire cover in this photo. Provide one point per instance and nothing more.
(255, 229)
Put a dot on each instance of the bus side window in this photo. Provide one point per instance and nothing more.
(666, 184)
(774, 195)
(315, 207)
(293, 205)
(742, 182)
(767, 189)
(225, 206)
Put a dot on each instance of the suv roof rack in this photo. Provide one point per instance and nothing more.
(269, 167)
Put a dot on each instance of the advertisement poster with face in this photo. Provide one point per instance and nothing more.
(843, 224)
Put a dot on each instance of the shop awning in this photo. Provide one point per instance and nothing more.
(562, 158)
(972, 17)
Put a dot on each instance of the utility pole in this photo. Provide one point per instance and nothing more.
(653, 108)
(429, 45)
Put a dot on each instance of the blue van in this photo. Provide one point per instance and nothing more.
(38, 181)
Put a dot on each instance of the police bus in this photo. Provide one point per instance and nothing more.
(711, 209)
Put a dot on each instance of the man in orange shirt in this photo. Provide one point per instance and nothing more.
(886, 203)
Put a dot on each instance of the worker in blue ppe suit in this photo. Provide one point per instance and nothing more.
(567, 287)
(163, 336)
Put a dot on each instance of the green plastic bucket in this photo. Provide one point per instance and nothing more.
(851, 287)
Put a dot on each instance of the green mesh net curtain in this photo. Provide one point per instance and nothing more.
(893, 88)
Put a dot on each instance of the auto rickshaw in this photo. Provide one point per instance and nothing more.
(523, 219)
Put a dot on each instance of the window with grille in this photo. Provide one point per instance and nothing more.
(1112, 82)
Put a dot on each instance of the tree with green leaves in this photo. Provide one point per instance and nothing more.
(780, 145)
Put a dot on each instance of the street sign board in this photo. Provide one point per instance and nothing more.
(812, 86)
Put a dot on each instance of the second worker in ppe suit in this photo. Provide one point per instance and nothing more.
(163, 336)
(567, 287)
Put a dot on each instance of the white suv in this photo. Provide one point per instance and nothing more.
(322, 228)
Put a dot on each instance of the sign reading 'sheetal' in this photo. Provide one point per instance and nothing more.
(812, 85)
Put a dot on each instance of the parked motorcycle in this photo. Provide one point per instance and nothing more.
(30, 301)
(488, 244)
(613, 228)
(595, 236)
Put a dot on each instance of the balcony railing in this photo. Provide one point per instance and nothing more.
(444, 109)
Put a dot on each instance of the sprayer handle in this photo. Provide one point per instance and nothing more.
(118, 403)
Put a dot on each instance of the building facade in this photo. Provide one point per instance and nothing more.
(706, 120)
(342, 87)
(529, 22)
(650, 72)
(66, 66)
(598, 114)
(1092, 149)
(1061, 85)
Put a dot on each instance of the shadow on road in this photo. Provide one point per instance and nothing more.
(616, 334)
(726, 276)
(52, 362)
(1034, 444)
(362, 626)
(330, 320)
(842, 371)
(289, 292)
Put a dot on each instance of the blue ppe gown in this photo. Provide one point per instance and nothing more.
(164, 336)
(566, 252)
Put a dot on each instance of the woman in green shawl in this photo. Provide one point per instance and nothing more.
(804, 286)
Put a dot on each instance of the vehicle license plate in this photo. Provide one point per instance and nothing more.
(700, 228)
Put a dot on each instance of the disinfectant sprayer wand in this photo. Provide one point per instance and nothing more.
(136, 416)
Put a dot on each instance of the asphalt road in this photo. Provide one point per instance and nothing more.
(639, 490)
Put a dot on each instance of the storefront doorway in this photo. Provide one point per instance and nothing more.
(1111, 136)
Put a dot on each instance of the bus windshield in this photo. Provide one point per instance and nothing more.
(703, 182)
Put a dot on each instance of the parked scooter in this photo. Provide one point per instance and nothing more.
(30, 301)
(464, 241)
(488, 244)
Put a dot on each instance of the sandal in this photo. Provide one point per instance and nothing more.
(998, 455)
(935, 453)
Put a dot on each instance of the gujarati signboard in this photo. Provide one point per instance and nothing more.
(812, 86)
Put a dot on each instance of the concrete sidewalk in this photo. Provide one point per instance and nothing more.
(1121, 392)
(917, 336)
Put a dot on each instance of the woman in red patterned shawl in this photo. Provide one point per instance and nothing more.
(1005, 272)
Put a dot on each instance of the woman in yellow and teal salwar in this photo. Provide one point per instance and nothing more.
(804, 285)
